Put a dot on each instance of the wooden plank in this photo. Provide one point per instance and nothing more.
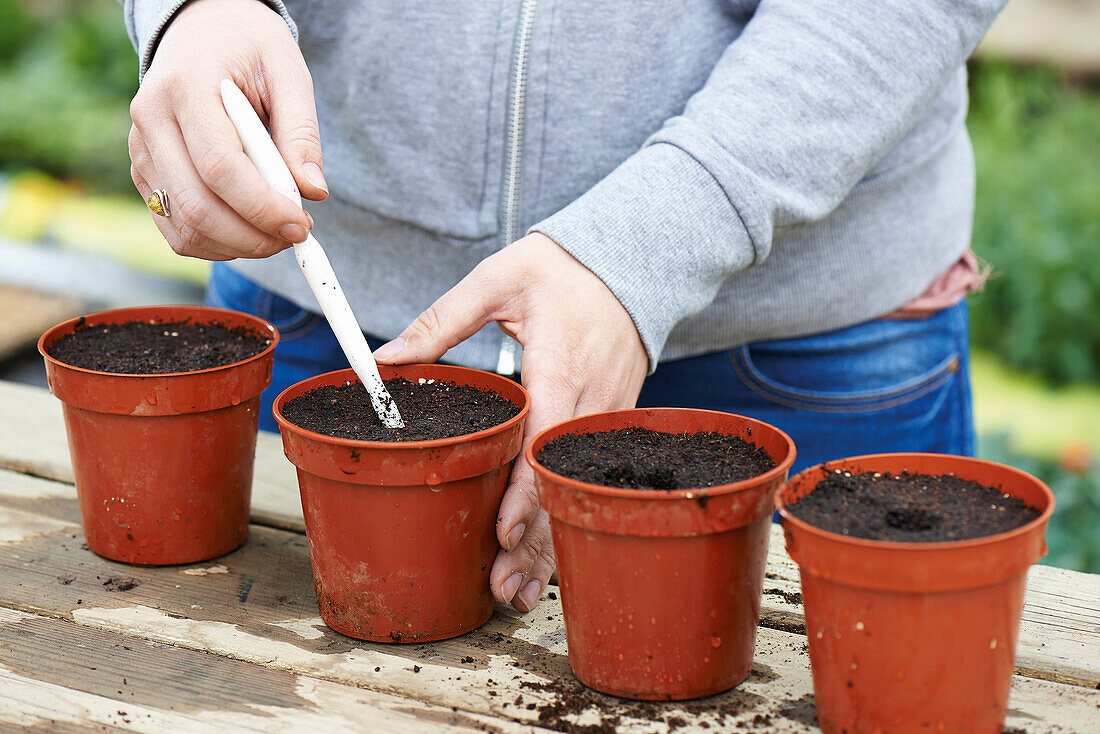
(32, 434)
(256, 605)
(27, 314)
(275, 498)
(778, 696)
(1060, 630)
(1059, 635)
(35, 444)
(56, 674)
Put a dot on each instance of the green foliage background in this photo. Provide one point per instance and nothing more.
(67, 73)
(1037, 148)
(1073, 535)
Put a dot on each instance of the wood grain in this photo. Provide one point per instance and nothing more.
(256, 606)
(32, 433)
(57, 675)
(27, 314)
(1059, 635)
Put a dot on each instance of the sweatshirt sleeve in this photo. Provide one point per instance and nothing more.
(797, 110)
(147, 19)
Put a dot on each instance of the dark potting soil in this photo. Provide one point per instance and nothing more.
(640, 458)
(561, 701)
(431, 409)
(144, 348)
(571, 701)
(911, 508)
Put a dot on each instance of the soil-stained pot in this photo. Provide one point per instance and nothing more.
(402, 535)
(914, 637)
(163, 462)
(661, 589)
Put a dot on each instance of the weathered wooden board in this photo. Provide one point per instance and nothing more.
(276, 501)
(56, 674)
(256, 605)
(27, 314)
(32, 441)
(32, 433)
(1059, 635)
(1060, 631)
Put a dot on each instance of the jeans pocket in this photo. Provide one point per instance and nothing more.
(228, 289)
(869, 367)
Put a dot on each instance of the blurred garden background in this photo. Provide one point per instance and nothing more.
(74, 235)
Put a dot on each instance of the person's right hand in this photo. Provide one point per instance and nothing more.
(183, 142)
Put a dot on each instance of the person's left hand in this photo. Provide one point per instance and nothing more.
(581, 354)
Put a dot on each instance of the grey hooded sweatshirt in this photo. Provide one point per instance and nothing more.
(733, 170)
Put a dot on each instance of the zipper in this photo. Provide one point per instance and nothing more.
(513, 153)
(513, 131)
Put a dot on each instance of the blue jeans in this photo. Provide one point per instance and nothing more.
(885, 385)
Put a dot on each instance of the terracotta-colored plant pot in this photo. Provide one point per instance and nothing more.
(661, 590)
(402, 535)
(163, 463)
(914, 637)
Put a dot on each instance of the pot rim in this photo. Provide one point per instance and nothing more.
(660, 495)
(947, 545)
(273, 336)
(280, 399)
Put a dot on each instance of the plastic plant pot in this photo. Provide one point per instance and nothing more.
(402, 535)
(163, 462)
(661, 590)
(914, 637)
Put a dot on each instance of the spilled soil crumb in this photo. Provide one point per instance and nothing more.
(572, 701)
(116, 583)
(791, 597)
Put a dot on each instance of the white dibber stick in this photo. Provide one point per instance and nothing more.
(311, 257)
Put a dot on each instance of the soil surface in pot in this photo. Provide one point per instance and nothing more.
(144, 348)
(431, 409)
(910, 508)
(641, 458)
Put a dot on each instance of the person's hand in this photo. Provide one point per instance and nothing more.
(581, 354)
(183, 142)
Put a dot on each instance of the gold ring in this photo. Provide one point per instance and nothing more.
(158, 203)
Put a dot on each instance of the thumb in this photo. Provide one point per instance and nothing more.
(293, 124)
(457, 315)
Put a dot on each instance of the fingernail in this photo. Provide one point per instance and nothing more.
(530, 594)
(314, 175)
(510, 586)
(389, 350)
(310, 218)
(515, 536)
(292, 232)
